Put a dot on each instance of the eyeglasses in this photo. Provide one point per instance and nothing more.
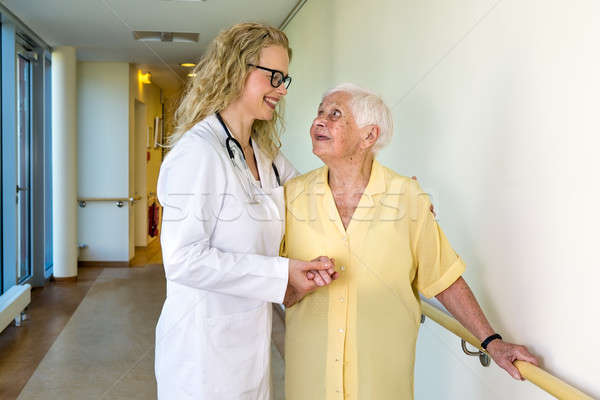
(277, 77)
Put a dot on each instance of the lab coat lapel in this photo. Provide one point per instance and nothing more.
(271, 190)
(216, 129)
(263, 163)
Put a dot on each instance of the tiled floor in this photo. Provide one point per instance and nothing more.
(22, 348)
(106, 349)
(147, 255)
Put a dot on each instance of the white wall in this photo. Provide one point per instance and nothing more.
(103, 158)
(495, 106)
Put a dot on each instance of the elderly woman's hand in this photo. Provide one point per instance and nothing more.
(460, 301)
(323, 277)
(504, 354)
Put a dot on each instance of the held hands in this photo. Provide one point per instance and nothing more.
(323, 278)
(504, 354)
(306, 276)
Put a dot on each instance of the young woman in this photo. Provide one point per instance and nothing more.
(223, 221)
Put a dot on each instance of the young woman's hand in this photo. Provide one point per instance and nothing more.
(306, 276)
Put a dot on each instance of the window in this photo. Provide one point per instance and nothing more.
(26, 157)
(23, 188)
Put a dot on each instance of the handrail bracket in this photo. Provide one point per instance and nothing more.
(484, 358)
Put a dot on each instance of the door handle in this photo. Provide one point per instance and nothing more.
(21, 189)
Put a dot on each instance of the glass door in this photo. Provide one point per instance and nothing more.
(23, 171)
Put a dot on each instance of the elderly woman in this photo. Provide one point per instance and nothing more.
(356, 337)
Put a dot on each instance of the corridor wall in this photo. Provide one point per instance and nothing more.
(495, 110)
(103, 154)
(107, 92)
(150, 95)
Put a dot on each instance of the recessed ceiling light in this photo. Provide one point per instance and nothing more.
(188, 65)
(155, 36)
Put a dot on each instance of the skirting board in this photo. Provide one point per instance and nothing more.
(68, 279)
(13, 302)
(104, 264)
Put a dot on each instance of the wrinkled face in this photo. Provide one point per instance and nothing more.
(259, 98)
(334, 132)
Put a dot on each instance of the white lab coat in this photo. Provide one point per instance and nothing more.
(220, 254)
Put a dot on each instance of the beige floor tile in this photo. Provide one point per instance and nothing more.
(138, 383)
(106, 350)
(109, 336)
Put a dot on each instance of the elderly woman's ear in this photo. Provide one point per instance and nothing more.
(371, 135)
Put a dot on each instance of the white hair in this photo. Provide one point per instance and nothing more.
(368, 109)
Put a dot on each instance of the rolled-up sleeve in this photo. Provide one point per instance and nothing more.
(438, 265)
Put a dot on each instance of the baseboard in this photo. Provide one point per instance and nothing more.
(103, 264)
(67, 279)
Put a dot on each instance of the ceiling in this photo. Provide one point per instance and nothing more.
(101, 30)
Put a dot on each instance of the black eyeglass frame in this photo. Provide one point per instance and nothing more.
(284, 78)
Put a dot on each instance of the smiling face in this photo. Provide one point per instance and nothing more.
(334, 132)
(259, 98)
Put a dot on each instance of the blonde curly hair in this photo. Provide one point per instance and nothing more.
(220, 77)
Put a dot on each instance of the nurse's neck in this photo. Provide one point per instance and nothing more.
(239, 122)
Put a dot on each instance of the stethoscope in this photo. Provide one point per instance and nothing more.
(230, 139)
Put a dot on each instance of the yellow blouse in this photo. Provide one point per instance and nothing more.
(356, 337)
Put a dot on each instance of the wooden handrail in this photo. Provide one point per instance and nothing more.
(535, 375)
